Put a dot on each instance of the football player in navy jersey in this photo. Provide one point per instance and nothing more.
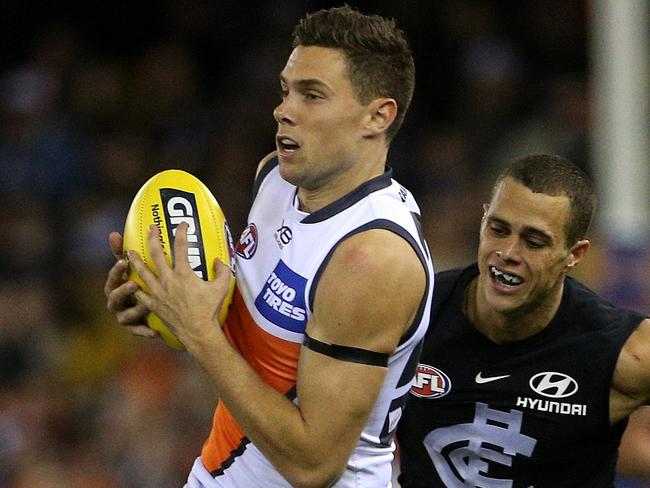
(527, 377)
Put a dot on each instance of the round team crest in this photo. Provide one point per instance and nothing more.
(247, 244)
(430, 382)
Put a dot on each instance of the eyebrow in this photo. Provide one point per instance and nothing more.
(526, 230)
(306, 83)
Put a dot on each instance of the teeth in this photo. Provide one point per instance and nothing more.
(505, 278)
(285, 141)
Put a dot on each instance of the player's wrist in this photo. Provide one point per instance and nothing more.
(205, 343)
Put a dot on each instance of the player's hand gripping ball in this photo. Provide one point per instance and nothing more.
(167, 199)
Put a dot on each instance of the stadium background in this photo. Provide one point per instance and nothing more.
(95, 99)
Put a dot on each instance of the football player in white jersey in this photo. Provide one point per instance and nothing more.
(345, 90)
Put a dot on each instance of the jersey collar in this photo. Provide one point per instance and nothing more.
(377, 183)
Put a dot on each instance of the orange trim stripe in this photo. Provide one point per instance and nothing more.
(275, 360)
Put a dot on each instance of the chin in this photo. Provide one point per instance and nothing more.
(504, 304)
(288, 172)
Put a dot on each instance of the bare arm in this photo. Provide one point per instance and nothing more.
(631, 381)
(634, 452)
(366, 298)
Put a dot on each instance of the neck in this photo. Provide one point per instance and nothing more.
(510, 326)
(340, 183)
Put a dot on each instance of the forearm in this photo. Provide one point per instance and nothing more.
(274, 423)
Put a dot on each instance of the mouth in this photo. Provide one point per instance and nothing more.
(508, 280)
(286, 145)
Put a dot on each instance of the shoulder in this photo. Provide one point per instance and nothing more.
(369, 292)
(264, 167)
(593, 312)
(266, 164)
(376, 254)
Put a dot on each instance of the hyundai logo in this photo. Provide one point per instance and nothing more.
(554, 385)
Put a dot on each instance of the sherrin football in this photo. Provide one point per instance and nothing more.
(167, 199)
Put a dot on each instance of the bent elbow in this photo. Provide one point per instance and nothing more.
(318, 477)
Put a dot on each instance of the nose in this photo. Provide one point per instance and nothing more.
(282, 113)
(509, 251)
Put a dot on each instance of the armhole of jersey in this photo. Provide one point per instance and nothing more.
(263, 173)
(400, 231)
(614, 326)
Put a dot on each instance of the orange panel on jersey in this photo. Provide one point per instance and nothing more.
(275, 360)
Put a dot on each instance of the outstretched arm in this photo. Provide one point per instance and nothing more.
(634, 452)
(367, 297)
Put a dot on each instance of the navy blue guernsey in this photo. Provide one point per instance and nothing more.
(527, 414)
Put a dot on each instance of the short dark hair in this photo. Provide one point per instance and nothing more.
(379, 58)
(556, 176)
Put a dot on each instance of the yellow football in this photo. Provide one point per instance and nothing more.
(167, 199)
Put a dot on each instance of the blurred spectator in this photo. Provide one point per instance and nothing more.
(558, 125)
(41, 153)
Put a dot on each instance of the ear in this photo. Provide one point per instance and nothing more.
(380, 114)
(576, 253)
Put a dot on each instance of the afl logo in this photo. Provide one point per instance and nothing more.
(554, 385)
(247, 244)
(430, 382)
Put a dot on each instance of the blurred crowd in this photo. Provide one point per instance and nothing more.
(95, 100)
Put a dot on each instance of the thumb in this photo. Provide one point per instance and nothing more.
(222, 271)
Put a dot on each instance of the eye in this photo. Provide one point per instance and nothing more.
(498, 230)
(283, 92)
(533, 244)
(312, 96)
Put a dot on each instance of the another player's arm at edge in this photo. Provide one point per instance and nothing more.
(634, 451)
(367, 297)
(631, 380)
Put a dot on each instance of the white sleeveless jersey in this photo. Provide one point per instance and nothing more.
(280, 258)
